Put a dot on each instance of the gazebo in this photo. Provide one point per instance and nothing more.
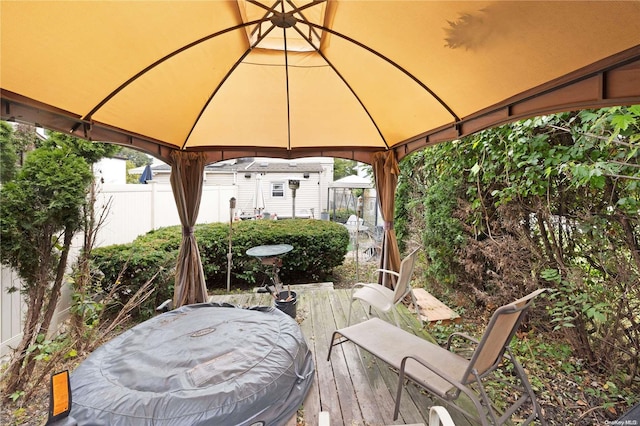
(343, 191)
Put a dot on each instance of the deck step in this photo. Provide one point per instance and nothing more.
(431, 309)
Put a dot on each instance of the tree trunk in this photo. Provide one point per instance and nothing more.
(549, 246)
(15, 373)
(54, 294)
(20, 367)
(579, 338)
(83, 276)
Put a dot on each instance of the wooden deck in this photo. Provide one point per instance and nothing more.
(353, 386)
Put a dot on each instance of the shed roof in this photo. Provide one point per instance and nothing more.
(352, 181)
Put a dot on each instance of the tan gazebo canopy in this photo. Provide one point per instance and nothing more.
(368, 80)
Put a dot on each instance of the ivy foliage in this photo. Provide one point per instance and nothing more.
(8, 155)
(550, 201)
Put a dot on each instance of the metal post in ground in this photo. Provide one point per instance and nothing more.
(232, 206)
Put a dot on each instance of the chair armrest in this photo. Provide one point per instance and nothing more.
(387, 271)
(165, 306)
(373, 286)
(458, 334)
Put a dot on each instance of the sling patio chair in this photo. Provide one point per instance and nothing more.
(457, 380)
(447, 374)
(383, 298)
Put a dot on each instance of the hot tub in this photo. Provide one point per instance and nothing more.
(209, 363)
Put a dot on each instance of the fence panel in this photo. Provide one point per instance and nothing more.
(137, 209)
(12, 310)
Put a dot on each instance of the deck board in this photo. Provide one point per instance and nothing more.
(366, 396)
(354, 387)
(349, 403)
(432, 310)
(311, 405)
(378, 375)
(328, 392)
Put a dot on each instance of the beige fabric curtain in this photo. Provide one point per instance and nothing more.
(187, 169)
(385, 172)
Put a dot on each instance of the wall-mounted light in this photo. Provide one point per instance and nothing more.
(306, 175)
(247, 175)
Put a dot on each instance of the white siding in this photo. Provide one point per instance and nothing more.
(223, 179)
(312, 194)
(308, 196)
(111, 170)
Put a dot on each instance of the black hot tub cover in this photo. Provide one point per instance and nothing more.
(200, 364)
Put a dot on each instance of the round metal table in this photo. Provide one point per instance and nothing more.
(269, 255)
(269, 251)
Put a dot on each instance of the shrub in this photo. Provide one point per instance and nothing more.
(442, 236)
(127, 267)
(318, 247)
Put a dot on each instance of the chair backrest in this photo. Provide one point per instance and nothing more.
(406, 270)
(497, 337)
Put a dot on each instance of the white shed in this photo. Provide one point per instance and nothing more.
(262, 184)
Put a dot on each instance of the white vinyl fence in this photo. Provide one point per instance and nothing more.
(131, 210)
(136, 209)
(13, 310)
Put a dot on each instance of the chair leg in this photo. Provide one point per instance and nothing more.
(415, 305)
(487, 401)
(522, 375)
(368, 311)
(396, 410)
(351, 309)
(332, 344)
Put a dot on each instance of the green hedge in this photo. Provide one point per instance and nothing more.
(131, 266)
(318, 247)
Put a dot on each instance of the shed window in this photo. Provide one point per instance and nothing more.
(277, 190)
